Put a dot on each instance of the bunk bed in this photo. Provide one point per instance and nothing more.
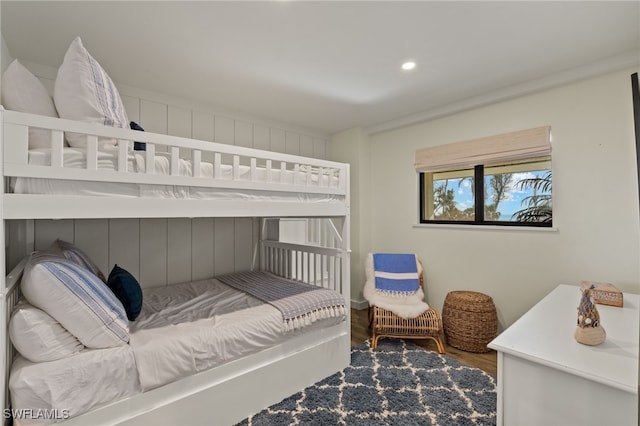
(177, 177)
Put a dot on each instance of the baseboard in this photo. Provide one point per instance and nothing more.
(359, 304)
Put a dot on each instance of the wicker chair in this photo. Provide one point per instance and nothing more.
(384, 323)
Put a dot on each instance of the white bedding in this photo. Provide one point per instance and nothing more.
(187, 328)
(107, 160)
(73, 385)
(182, 329)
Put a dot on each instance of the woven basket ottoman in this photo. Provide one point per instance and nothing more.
(470, 320)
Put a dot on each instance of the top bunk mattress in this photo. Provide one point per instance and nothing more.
(107, 160)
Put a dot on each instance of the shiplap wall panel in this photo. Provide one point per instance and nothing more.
(292, 143)
(46, 232)
(179, 124)
(224, 132)
(256, 240)
(203, 124)
(243, 134)
(224, 249)
(124, 244)
(203, 129)
(153, 252)
(159, 251)
(306, 145)
(261, 137)
(153, 116)
(132, 106)
(320, 148)
(92, 236)
(179, 121)
(278, 143)
(243, 236)
(19, 241)
(179, 250)
(202, 248)
(224, 129)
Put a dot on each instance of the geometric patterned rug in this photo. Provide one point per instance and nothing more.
(398, 383)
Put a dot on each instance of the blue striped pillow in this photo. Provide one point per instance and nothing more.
(83, 91)
(77, 299)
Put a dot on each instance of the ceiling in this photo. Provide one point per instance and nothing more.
(333, 65)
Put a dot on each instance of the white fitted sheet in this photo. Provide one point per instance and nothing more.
(107, 160)
(182, 329)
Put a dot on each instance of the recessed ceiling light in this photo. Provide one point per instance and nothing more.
(409, 65)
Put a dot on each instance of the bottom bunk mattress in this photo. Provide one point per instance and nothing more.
(182, 329)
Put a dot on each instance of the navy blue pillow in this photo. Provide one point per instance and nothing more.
(138, 146)
(127, 290)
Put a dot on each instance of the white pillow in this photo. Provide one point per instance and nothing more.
(83, 91)
(77, 299)
(24, 92)
(38, 337)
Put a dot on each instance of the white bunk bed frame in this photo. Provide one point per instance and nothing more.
(231, 392)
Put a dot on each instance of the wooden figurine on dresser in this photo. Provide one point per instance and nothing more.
(589, 331)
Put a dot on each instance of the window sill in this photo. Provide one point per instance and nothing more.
(486, 227)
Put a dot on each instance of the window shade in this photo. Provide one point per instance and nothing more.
(509, 146)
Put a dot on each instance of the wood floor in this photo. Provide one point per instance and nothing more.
(484, 361)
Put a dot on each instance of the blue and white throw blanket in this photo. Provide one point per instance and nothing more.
(300, 304)
(396, 273)
(393, 283)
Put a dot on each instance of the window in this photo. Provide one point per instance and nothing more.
(510, 185)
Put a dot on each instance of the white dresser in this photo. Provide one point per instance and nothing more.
(545, 377)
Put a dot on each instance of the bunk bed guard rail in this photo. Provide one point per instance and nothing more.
(188, 163)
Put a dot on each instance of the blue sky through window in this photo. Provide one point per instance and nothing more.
(511, 200)
(514, 195)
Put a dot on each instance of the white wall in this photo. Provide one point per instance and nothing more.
(5, 56)
(352, 146)
(594, 188)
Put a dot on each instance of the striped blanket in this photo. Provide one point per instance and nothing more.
(396, 273)
(393, 283)
(300, 304)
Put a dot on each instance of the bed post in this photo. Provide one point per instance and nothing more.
(346, 243)
(269, 230)
(4, 394)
